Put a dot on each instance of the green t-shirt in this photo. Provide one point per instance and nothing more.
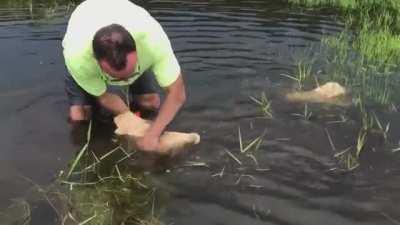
(152, 44)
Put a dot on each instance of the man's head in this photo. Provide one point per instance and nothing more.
(115, 51)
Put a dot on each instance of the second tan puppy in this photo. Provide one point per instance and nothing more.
(330, 93)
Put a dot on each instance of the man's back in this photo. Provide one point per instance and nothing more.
(91, 15)
(153, 46)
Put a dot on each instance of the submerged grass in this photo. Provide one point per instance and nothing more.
(306, 114)
(110, 202)
(106, 197)
(264, 103)
(96, 190)
(303, 72)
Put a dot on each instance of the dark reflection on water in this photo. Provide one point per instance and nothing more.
(229, 50)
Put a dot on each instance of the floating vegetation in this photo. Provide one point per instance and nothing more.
(383, 130)
(303, 73)
(233, 156)
(372, 131)
(265, 105)
(361, 139)
(347, 160)
(254, 143)
(246, 149)
(306, 115)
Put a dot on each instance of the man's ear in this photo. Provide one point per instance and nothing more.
(103, 64)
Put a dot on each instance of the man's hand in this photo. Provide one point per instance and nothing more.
(148, 143)
(174, 99)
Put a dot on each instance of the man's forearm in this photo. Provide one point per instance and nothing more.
(113, 102)
(173, 102)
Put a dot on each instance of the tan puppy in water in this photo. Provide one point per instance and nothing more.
(135, 127)
(330, 92)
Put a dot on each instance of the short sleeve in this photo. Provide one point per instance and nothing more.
(85, 77)
(167, 70)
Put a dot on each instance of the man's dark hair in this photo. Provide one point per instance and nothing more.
(112, 43)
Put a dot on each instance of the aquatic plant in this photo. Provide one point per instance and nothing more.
(347, 160)
(361, 140)
(253, 144)
(306, 114)
(100, 190)
(116, 200)
(264, 103)
(302, 73)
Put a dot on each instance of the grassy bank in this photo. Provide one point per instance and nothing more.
(364, 57)
(376, 26)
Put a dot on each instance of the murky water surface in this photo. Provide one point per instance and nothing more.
(229, 50)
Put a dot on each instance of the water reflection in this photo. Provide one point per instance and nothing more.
(32, 11)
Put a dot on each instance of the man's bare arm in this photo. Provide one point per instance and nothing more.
(174, 100)
(113, 102)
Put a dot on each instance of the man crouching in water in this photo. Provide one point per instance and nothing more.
(117, 43)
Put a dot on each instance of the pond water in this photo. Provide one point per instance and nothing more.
(229, 50)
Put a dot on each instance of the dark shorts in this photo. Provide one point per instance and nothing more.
(145, 84)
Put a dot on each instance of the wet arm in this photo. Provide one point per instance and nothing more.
(113, 103)
(174, 100)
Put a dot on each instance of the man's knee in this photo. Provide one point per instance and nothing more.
(79, 113)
